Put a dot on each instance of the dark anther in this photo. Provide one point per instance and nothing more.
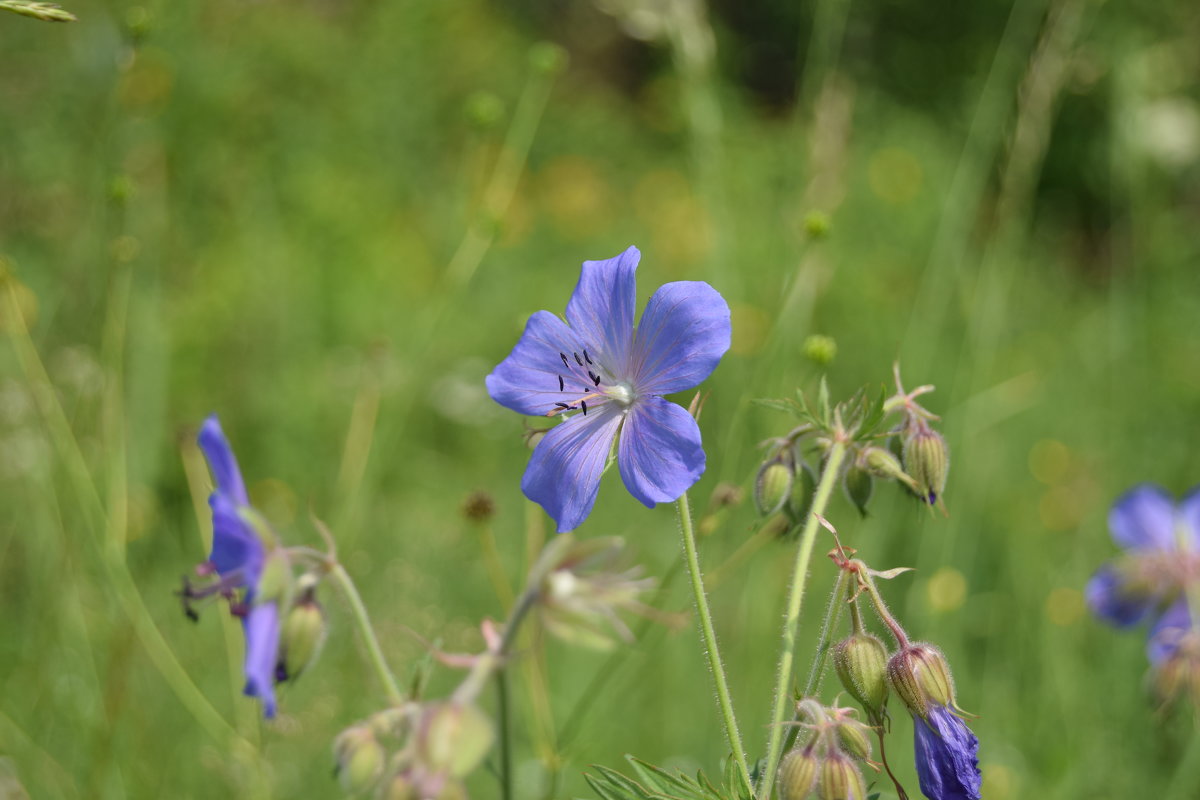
(566, 363)
(585, 356)
(578, 360)
(560, 383)
(583, 405)
(595, 378)
(563, 406)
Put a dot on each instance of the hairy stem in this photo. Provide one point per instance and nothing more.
(709, 635)
(808, 538)
(346, 584)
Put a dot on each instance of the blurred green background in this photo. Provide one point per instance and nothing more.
(326, 220)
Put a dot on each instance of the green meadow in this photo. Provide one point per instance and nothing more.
(328, 220)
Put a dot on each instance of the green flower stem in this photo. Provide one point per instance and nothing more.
(832, 612)
(881, 610)
(808, 538)
(710, 638)
(346, 584)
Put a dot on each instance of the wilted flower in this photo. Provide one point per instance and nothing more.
(945, 748)
(1162, 543)
(250, 571)
(583, 586)
(614, 376)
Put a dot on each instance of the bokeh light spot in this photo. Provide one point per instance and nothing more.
(946, 590)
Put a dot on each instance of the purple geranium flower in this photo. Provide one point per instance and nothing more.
(1162, 543)
(614, 376)
(947, 755)
(238, 557)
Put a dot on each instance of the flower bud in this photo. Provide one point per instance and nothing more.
(399, 787)
(804, 485)
(882, 463)
(454, 738)
(359, 759)
(858, 484)
(302, 636)
(772, 486)
(853, 736)
(861, 663)
(920, 676)
(927, 460)
(820, 349)
(840, 779)
(798, 774)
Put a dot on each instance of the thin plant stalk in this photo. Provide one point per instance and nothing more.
(709, 635)
(808, 538)
(374, 651)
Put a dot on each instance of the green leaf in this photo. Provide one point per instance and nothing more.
(787, 405)
(826, 418)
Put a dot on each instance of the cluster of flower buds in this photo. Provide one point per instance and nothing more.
(910, 452)
(435, 745)
(1152, 581)
(826, 757)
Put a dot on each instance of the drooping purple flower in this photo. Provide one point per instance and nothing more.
(1162, 544)
(947, 755)
(611, 378)
(238, 557)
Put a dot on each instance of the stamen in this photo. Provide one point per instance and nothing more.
(578, 360)
(563, 406)
(585, 356)
(560, 383)
(583, 404)
(566, 363)
(595, 378)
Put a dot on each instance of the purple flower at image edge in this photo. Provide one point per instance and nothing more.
(1145, 522)
(238, 556)
(612, 378)
(946, 756)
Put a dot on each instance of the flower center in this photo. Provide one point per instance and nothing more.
(584, 384)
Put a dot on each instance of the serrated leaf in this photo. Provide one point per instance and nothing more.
(874, 414)
(823, 403)
(786, 405)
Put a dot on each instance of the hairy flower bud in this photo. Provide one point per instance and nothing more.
(861, 662)
(454, 738)
(804, 485)
(302, 636)
(798, 774)
(772, 485)
(920, 676)
(359, 759)
(927, 460)
(858, 484)
(853, 737)
(840, 779)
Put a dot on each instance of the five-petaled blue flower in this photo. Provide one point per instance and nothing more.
(947, 755)
(613, 375)
(1162, 543)
(238, 557)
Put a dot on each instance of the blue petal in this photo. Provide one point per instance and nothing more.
(527, 381)
(660, 454)
(1143, 519)
(1168, 632)
(261, 627)
(1189, 512)
(1112, 599)
(680, 339)
(600, 310)
(564, 472)
(235, 545)
(947, 756)
(221, 461)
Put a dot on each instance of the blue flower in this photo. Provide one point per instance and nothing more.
(613, 375)
(1161, 542)
(238, 557)
(947, 755)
